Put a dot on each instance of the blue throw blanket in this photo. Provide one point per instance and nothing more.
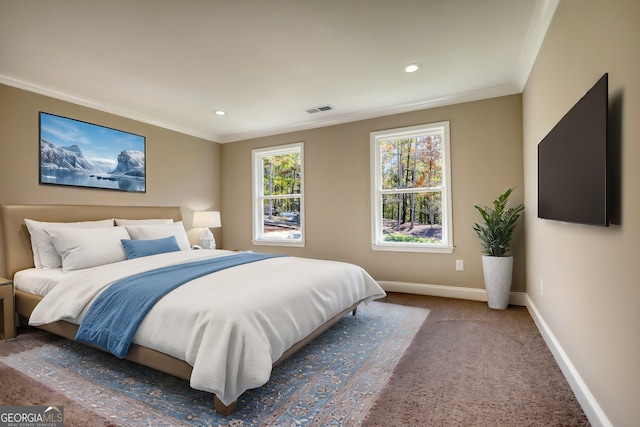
(114, 317)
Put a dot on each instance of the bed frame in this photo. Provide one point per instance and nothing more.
(19, 256)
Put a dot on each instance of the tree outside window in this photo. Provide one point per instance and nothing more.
(278, 195)
(410, 189)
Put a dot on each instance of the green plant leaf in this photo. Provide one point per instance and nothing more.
(499, 224)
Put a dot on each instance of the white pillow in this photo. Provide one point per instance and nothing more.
(158, 231)
(120, 221)
(88, 247)
(44, 253)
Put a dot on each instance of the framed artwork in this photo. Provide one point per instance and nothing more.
(79, 154)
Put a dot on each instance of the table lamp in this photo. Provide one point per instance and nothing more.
(207, 220)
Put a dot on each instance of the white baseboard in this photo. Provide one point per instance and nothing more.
(590, 406)
(475, 294)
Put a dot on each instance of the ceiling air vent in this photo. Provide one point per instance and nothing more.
(319, 109)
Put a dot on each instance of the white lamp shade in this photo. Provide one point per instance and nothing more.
(206, 219)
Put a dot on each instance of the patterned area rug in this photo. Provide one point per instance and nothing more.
(333, 381)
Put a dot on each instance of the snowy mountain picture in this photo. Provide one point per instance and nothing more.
(80, 154)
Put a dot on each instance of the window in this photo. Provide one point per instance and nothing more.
(278, 201)
(411, 189)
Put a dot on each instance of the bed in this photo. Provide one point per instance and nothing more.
(222, 331)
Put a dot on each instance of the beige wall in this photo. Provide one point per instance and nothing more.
(181, 170)
(591, 275)
(486, 145)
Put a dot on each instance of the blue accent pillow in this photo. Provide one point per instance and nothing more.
(141, 248)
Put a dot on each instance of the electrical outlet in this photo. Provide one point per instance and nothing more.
(459, 265)
(541, 287)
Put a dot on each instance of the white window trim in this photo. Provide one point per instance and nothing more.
(377, 242)
(257, 183)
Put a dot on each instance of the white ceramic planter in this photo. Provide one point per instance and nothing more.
(497, 280)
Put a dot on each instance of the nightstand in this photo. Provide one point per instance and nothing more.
(6, 295)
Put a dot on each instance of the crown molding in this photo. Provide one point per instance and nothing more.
(540, 21)
(338, 119)
(111, 109)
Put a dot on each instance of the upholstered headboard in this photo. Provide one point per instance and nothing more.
(17, 241)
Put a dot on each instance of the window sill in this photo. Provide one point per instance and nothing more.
(406, 248)
(278, 243)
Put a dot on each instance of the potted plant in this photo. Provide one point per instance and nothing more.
(495, 235)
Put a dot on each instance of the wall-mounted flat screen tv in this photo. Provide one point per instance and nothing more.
(572, 162)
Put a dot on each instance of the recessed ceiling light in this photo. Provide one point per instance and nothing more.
(220, 113)
(412, 68)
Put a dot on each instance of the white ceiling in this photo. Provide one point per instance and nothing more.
(172, 63)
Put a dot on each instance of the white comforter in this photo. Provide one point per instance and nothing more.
(230, 326)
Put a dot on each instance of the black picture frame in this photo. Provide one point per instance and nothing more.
(74, 153)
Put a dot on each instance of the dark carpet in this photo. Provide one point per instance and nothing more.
(473, 366)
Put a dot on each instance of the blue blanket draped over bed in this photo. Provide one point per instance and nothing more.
(113, 318)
